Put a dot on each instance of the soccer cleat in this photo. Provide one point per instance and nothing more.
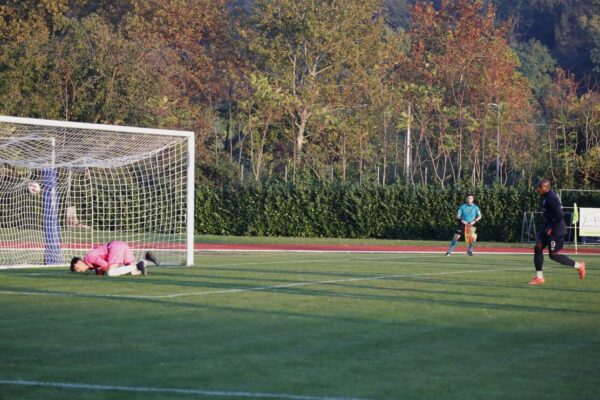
(141, 266)
(469, 253)
(448, 253)
(581, 270)
(537, 281)
(151, 257)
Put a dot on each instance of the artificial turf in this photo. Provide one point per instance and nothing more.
(304, 326)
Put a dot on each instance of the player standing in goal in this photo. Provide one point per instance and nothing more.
(113, 259)
(552, 234)
(468, 215)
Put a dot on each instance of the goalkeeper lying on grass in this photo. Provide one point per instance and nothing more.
(113, 259)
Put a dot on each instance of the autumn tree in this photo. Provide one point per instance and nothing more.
(261, 112)
(462, 55)
(190, 44)
(62, 67)
(25, 31)
(310, 51)
(361, 91)
(572, 133)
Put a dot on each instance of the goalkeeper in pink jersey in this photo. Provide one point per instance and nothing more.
(113, 259)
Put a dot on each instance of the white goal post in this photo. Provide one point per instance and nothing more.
(66, 187)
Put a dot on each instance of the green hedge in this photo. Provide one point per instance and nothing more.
(353, 211)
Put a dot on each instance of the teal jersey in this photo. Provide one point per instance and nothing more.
(468, 213)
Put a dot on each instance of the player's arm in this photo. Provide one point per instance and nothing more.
(93, 260)
(478, 218)
(97, 264)
(100, 263)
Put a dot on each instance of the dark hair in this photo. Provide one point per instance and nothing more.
(470, 194)
(74, 261)
(544, 182)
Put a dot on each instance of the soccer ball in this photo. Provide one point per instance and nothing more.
(34, 187)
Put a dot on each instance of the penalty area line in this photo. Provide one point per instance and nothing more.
(354, 251)
(197, 392)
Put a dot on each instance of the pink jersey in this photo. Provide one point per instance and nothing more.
(115, 253)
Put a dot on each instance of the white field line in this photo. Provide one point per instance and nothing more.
(257, 288)
(197, 392)
(32, 266)
(441, 252)
(45, 267)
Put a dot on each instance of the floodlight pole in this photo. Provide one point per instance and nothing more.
(408, 150)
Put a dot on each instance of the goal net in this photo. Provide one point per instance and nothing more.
(67, 187)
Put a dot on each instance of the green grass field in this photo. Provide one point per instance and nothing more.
(304, 326)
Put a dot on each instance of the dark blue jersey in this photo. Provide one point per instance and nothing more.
(553, 214)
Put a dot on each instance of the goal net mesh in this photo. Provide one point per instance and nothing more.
(95, 186)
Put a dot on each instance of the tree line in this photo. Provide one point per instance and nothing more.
(320, 90)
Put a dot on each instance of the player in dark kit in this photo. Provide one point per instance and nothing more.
(552, 234)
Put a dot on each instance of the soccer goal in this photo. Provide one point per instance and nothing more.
(66, 187)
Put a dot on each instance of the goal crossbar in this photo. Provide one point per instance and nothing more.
(89, 126)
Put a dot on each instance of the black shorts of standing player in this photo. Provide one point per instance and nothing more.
(553, 242)
(460, 228)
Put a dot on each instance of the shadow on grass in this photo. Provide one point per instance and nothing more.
(400, 296)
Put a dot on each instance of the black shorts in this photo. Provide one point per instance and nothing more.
(553, 242)
(460, 228)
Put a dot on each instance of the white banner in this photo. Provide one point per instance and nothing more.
(589, 222)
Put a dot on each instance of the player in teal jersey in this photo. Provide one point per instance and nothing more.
(468, 214)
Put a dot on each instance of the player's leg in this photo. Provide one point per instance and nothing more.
(141, 266)
(538, 259)
(120, 253)
(149, 256)
(556, 245)
(455, 238)
(123, 270)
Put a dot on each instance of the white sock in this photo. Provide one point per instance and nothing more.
(539, 274)
(124, 270)
(577, 265)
